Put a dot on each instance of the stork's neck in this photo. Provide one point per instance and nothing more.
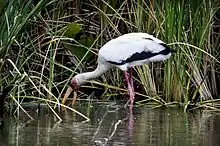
(84, 77)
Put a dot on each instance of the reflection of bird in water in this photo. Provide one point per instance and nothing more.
(124, 52)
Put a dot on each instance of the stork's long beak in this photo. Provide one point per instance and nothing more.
(67, 94)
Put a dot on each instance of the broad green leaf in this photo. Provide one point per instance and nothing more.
(72, 29)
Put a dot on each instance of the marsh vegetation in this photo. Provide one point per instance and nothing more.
(44, 43)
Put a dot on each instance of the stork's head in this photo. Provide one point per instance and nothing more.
(75, 84)
(77, 81)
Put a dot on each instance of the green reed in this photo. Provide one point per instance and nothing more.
(186, 26)
(44, 48)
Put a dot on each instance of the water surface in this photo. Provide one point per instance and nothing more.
(112, 125)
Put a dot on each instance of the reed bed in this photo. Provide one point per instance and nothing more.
(44, 44)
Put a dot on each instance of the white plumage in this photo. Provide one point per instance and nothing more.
(125, 52)
(123, 47)
(126, 45)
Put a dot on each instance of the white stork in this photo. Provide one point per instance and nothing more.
(124, 52)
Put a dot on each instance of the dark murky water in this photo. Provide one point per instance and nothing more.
(113, 126)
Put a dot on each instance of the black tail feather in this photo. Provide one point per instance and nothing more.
(168, 48)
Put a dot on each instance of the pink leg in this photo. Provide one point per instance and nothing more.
(131, 80)
(131, 93)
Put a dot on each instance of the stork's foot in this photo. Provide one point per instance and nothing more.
(131, 101)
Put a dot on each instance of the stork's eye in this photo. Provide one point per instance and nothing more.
(74, 85)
